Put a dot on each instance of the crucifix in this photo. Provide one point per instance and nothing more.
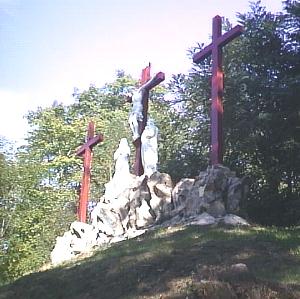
(86, 151)
(138, 116)
(217, 85)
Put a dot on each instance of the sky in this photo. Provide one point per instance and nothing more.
(49, 47)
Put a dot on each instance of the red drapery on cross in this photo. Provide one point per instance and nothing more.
(145, 77)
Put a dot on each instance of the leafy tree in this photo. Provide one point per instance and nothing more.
(261, 131)
(263, 127)
(49, 171)
(8, 198)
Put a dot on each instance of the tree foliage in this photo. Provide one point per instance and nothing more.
(261, 119)
(49, 172)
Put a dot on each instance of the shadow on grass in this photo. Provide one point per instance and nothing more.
(191, 262)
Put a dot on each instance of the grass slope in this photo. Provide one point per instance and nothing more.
(180, 262)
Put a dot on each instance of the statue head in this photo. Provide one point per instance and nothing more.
(123, 143)
(150, 122)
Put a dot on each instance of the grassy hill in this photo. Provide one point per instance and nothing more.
(179, 262)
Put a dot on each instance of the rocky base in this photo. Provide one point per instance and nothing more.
(216, 191)
(209, 199)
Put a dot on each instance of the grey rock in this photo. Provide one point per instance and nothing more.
(216, 209)
(203, 219)
(240, 267)
(234, 220)
(216, 191)
(143, 216)
(160, 187)
(181, 191)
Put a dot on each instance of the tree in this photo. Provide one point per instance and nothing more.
(261, 109)
(8, 196)
(268, 115)
(49, 171)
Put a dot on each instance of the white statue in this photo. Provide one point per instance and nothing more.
(121, 156)
(121, 178)
(136, 114)
(149, 148)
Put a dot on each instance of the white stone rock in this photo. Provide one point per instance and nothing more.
(81, 229)
(62, 251)
(102, 239)
(117, 239)
(143, 216)
(106, 220)
(132, 233)
(231, 219)
(203, 219)
(86, 236)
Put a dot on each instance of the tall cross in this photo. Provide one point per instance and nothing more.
(147, 85)
(86, 151)
(217, 85)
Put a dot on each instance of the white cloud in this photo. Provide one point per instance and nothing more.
(13, 107)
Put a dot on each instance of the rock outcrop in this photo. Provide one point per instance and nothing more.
(211, 198)
(216, 191)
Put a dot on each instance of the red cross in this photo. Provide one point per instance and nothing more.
(86, 151)
(217, 85)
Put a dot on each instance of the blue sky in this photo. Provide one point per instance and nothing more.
(48, 47)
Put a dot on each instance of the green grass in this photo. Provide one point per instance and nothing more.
(181, 262)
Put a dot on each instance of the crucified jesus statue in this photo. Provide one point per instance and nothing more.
(138, 116)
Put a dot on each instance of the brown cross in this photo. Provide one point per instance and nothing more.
(86, 151)
(148, 85)
(217, 85)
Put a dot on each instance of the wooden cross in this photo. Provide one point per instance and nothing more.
(86, 151)
(217, 85)
(158, 78)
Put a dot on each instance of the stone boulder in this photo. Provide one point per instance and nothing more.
(63, 249)
(215, 191)
(84, 236)
(234, 220)
(160, 187)
(203, 219)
